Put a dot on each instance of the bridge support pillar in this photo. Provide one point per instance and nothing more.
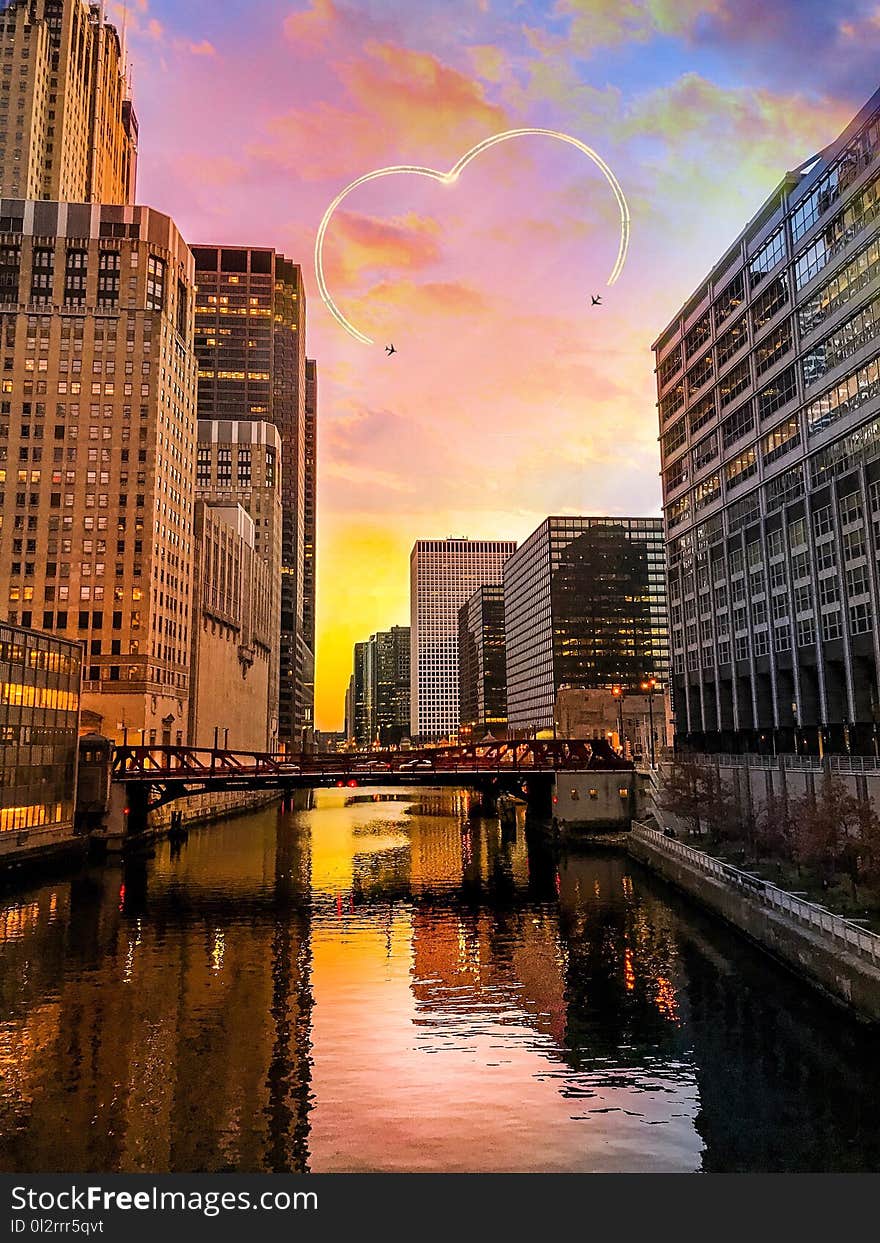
(599, 801)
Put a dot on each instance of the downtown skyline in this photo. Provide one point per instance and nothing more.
(524, 399)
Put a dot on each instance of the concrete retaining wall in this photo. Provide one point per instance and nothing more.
(822, 960)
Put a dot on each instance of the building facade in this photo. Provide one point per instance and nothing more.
(68, 131)
(239, 463)
(235, 610)
(769, 406)
(443, 575)
(482, 674)
(250, 341)
(584, 605)
(39, 727)
(97, 450)
(310, 517)
(377, 702)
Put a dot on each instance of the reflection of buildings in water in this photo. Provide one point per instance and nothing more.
(165, 1066)
(623, 982)
(807, 1079)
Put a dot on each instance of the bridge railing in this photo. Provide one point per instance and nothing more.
(859, 940)
(143, 762)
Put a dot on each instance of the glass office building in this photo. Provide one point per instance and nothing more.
(769, 406)
(585, 606)
(482, 686)
(39, 726)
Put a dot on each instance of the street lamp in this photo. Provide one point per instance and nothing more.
(648, 686)
(617, 693)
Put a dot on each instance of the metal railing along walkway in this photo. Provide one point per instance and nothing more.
(808, 914)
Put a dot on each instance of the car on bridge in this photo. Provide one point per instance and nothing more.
(411, 765)
(372, 766)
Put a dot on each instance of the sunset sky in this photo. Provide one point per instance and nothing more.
(510, 398)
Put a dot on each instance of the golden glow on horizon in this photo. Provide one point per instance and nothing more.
(448, 179)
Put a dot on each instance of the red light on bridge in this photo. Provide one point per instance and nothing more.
(555, 798)
(352, 784)
(340, 784)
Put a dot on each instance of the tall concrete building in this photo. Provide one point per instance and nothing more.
(769, 400)
(482, 691)
(443, 574)
(98, 387)
(239, 464)
(584, 606)
(250, 341)
(234, 625)
(68, 131)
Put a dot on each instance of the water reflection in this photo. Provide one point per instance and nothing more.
(396, 984)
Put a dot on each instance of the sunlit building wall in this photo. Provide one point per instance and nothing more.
(443, 575)
(98, 432)
(769, 399)
(250, 341)
(67, 126)
(239, 463)
(39, 725)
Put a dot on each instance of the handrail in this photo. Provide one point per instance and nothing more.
(860, 940)
(810, 763)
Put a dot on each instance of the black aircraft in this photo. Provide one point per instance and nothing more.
(596, 300)
(389, 349)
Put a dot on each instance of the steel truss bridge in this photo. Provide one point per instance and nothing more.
(157, 775)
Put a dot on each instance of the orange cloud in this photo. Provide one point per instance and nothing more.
(348, 142)
(431, 106)
(361, 243)
(310, 28)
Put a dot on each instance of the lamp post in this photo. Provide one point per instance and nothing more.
(648, 685)
(617, 692)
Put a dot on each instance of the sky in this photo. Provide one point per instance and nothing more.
(510, 396)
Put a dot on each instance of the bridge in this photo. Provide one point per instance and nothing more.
(155, 775)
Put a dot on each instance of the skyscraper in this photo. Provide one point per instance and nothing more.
(240, 464)
(380, 689)
(68, 131)
(584, 605)
(481, 663)
(769, 396)
(310, 490)
(98, 433)
(443, 574)
(250, 341)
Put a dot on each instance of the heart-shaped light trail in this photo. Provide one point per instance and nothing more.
(448, 179)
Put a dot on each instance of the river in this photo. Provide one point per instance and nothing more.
(391, 984)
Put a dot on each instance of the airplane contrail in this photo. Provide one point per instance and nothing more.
(448, 179)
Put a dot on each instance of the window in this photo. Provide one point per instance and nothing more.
(737, 425)
(784, 437)
(781, 390)
(767, 257)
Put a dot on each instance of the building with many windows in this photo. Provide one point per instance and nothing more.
(250, 341)
(443, 575)
(769, 406)
(377, 701)
(68, 131)
(39, 727)
(482, 676)
(584, 606)
(239, 463)
(97, 450)
(234, 621)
